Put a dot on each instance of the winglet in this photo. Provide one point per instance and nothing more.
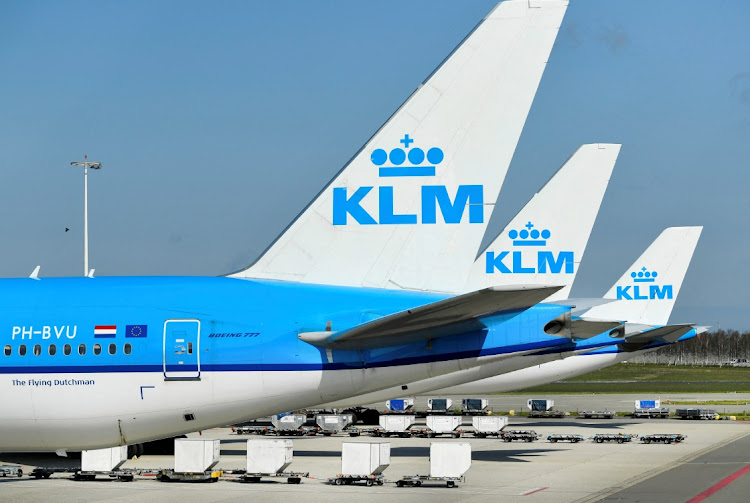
(35, 273)
(91, 273)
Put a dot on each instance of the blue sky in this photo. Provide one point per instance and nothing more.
(217, 122)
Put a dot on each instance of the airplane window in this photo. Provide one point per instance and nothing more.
(8, 350)
(97, 349)
(127, 348)
(37, 350)
(22, 350)
(66, 349)
(52, 349)
(112, 349)
(82, 349)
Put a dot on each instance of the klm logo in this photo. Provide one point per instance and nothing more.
(643, 287)
(435, 199)
(527, 258)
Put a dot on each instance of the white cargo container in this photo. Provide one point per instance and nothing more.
(333, 422)
(361, 459)
(443, 424)
(288, 422)
(647, 404)
(489, 424)
(449, 459)
(474, 404)
(103, 460)
(540, 405)
(400, 404)
(194, 455)
(439, 404)
(269, 456)
(396, 422)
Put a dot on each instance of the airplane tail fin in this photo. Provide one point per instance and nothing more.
(646, 293)
(411, 207)
(544, 243)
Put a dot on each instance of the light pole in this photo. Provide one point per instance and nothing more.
(86, 165)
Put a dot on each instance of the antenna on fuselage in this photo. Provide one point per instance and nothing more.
(35, 273)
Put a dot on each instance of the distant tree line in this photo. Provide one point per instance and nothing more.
(720, 347)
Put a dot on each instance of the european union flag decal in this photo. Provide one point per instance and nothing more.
(136, 330)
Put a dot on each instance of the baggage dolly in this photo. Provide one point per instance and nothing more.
(11, 471)
(574, 439)
(664, 438)
(173, 476)
(523, 435)
(620, 438)
(369, 480)
(291, 477)
(121, 475)
(416, 480)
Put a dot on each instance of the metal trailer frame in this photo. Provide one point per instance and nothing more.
(369, 480)
(291, 477)
(597, 414)
(416, 480)
(428, 433)
(523, 435)
(664, 438)
(485, 434)
(573, 439)
(11, 470)
(696, 413)
(661, 412)
(121, 475)
(250, 430)
(173, 476)
(556, 414)
(620, 438)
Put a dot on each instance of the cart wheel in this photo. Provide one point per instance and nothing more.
(399, 483)
(619, 440)
(369, 482)
(553, 440)
(418, 483)
(338, 482)
(20, 473)
(599, 440)
(648, 440)
(293, 480)
(380, 482)
(506, 439)
(528, 439)
(450, 483)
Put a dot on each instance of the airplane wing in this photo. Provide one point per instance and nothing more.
(438, 319)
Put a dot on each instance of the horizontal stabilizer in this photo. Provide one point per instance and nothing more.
(433, 320)
(668, 333)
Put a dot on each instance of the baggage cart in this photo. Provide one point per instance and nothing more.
(441, 425)
(596, 414)
(696, 413)
(11, 471)
(486, 426)
(400, 404)
(620, 438)
(173, 476)
(474, 406)
(394, 425)
(663, 438)
(520, 435)
(439, 405)
(449, 461)
(332, 423)
(556, 437)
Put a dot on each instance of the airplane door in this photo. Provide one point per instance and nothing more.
(181, 350)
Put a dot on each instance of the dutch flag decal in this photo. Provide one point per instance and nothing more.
(105, 331)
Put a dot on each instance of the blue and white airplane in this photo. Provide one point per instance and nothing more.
(644, 295)
(343, 303)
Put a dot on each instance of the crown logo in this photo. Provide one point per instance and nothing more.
(643, 276)
(416, 157)
(529, 236)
